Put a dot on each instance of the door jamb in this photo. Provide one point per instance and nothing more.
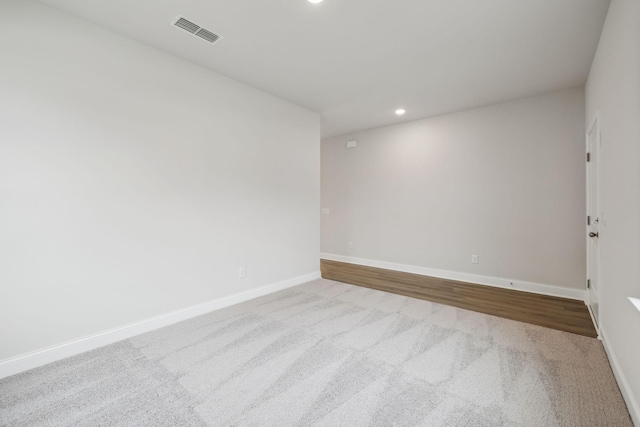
(594, 121)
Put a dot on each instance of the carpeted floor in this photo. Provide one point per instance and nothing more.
(328, 354)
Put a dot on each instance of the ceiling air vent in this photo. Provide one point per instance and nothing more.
(196, 30)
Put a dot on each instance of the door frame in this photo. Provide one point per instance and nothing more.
(594, 162)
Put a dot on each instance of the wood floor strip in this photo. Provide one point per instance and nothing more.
(552, 312)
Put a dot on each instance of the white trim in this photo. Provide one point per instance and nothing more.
(498, 282)
(590, 193)
(51, 354)
(623, 384)
(593, 121)
(635, 302)
(593, 318)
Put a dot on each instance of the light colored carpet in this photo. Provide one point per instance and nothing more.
(328, 354)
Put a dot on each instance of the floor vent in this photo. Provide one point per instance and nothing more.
(196, 30)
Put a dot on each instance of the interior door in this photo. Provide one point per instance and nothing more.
(594, 218)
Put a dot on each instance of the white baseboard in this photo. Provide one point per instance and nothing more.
(632, 403)
(51, 354)
(498, 282)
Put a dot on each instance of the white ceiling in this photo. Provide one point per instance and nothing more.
(356, 61)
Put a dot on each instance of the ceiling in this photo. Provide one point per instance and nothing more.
(356, 61)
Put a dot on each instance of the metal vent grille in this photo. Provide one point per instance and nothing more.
(196, 30)
(207, 35)
(187, 25)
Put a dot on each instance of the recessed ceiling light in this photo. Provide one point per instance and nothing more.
(400, 111)
(315, 1)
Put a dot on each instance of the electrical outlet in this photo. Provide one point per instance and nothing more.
(350, 245)
(474, 259)
(242, 273)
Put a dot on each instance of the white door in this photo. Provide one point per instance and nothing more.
(593, 217)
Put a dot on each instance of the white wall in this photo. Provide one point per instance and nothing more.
(133, 183)
(613, 88)
(505, 182)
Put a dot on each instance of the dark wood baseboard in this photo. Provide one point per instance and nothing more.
(552, 312)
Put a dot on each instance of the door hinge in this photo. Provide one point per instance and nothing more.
(589, 220)
(588, 157)
(588, 283)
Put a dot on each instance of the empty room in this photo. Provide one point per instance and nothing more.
(320, 213)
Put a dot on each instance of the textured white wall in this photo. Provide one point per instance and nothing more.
(613, 88)
(133, 183)
(505, 182)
